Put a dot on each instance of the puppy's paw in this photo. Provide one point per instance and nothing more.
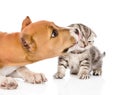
(83, 76)
(35, 78)
(97, 72)
(8, 83)
(59, 75)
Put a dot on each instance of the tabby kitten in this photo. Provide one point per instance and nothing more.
(82, 58)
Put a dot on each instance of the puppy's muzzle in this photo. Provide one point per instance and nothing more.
(76, 35)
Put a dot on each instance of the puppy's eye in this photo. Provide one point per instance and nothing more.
(54, 34)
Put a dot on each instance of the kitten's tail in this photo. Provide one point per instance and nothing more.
(103, 54)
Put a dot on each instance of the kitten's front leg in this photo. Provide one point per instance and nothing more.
(62, 66)
(84, 69)
(97, 72)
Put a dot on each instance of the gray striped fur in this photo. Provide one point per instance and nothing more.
(81, 61)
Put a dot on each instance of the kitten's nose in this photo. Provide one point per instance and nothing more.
(85, 44)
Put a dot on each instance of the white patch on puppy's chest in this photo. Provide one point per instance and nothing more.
(8, 70)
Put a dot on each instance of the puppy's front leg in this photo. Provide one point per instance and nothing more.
(29, 76)
(7, 83)
(62, 66)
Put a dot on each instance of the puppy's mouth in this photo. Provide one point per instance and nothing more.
(66, 49)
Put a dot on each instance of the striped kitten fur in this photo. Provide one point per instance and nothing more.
(83, 58)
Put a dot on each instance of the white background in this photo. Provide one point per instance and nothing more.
(103, 16)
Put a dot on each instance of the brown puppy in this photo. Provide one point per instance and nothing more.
(36, 41)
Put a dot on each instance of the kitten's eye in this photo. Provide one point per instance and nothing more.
(54, 33)
(90, 41)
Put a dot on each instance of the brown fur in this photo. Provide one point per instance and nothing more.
(36, 41)
(37, 36)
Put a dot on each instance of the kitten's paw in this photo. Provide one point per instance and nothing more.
(8, 83)
(84, 76)
(59, 75)
(97, 72)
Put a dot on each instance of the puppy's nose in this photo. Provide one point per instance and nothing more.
(76, 31)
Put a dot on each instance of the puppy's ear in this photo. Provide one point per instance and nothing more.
(26, 22)
(28, 43)
(26, 36)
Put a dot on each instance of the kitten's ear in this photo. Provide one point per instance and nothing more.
(88, 33)
(26, 22)
(71, 25)
(93, 34)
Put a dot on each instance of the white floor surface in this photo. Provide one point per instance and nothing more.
(102, 16)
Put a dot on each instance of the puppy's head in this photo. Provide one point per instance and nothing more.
(44, 39)
(87, 36)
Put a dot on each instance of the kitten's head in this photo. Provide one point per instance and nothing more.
(87, 38)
